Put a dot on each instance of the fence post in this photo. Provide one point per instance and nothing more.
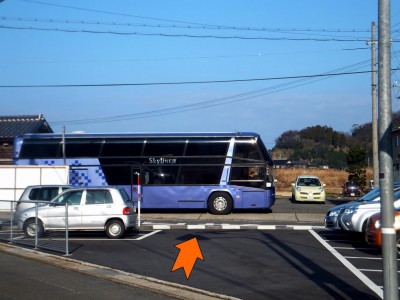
(36, 226)
(139, 188)
(11, 221)
(66, 231)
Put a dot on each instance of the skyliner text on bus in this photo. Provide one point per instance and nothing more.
(215, 171)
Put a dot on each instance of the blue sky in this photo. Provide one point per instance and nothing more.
(144, 43)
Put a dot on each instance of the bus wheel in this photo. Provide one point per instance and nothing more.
(220, 203)
(398, 244)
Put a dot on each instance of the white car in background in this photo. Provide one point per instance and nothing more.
(308, 188)
(89, 209)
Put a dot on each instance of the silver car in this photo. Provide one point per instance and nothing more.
(355, 217)
(331, 217)
(92, 209)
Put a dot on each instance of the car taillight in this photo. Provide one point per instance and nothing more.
(126, 211)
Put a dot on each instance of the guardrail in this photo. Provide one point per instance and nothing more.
(13, 231)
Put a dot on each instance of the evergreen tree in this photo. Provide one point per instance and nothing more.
(356, 159)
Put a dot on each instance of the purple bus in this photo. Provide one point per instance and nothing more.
(215, 171)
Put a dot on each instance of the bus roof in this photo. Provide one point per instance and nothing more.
(139, 135)
(145, 135)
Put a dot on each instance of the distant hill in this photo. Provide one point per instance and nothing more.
(322, 145)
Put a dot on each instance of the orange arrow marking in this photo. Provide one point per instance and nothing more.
(188, 254)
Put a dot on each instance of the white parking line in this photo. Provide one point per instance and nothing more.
(366, 258)
(344, 241)
(96, 239)
(368, 282)
(147, 235)
(352, 248)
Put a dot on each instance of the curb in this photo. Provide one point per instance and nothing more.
(166, 288)
(161, 226)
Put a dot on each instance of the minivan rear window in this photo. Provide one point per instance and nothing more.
(124, 195)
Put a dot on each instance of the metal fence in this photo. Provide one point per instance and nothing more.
(13, 231)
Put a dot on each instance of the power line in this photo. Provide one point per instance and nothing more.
(182, 82)
(211, 103)
(276, 30)
(332, 39)
(118, 14)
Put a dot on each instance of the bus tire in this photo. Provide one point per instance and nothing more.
(398, 244)
(220, 203)
(115, 229)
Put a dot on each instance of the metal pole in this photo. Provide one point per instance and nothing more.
(63, 145)
(66, 231)
(139, 190)
(374, 112)
(11, 221)
(36, 226)
(389, 253)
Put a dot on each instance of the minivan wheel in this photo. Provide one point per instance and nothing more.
(220, 203)
(29, 228)
(115, 229)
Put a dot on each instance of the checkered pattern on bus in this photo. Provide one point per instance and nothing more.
(81, 177)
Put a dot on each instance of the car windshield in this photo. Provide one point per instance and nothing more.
(374, 195)
(351, 184)
(397, 195)
(308, 182)
(371, 195)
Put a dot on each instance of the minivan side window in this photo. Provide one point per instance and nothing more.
(98, 197)
(45, 194)
(72, 198)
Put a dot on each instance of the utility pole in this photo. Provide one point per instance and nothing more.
(375, 159)
(63, 145)
(389, 251)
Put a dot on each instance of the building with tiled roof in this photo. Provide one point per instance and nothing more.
(12, 126)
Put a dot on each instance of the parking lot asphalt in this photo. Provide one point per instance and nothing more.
(168, 220)
(71, 273)
(27, 278)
